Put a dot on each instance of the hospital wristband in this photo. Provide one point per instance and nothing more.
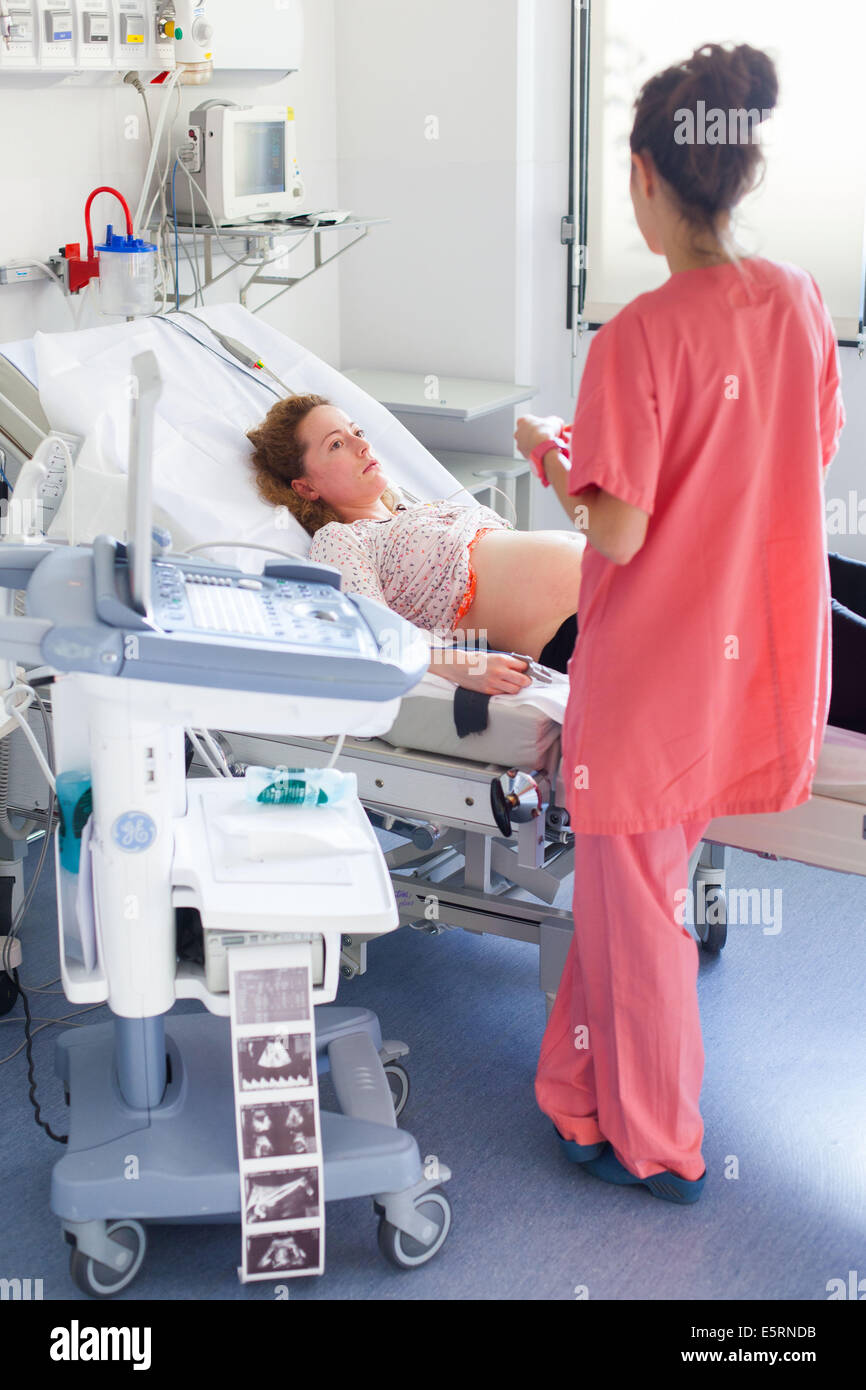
(536, 458)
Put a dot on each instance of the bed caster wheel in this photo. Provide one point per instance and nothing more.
(402, 1250)
(713, 933)
(98, 1280)
(398, 1080)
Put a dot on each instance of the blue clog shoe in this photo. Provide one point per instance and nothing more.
(579, 1153)
(669, 1186)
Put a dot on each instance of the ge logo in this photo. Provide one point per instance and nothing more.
(133, 832)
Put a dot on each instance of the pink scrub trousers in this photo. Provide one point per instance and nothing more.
(622, 1057)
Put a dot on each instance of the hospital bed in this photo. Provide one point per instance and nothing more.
(483, 840)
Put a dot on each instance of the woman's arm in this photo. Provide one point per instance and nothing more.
(614, 528)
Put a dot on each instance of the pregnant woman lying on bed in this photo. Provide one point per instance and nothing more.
(447, 567)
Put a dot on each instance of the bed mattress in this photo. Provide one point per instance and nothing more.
(524, 731)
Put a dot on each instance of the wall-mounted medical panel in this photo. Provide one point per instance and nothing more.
(95, 34)
(56, 29)
(145, 35)
(86, 39)
(19, 44)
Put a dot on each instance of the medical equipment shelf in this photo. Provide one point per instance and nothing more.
(260, 238)
(458, 398)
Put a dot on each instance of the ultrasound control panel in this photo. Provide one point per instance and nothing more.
(300, 614)
(289, 631)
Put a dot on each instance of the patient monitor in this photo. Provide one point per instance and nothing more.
(243, 165)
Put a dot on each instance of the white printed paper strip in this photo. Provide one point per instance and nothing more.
(277, 1111)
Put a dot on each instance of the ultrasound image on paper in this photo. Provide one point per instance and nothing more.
(275, 1060)
(286, 1196)
(283, 1251)
(280, 1129)
(272, 996)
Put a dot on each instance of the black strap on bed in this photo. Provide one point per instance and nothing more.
(471, 711)
(471, 708)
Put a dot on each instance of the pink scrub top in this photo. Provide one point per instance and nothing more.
(700, 678)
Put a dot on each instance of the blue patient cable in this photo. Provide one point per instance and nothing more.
(174, 218)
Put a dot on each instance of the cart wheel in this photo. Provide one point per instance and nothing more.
(714, 934)
(398, 1080)
(98, 1279)
(403, 1250)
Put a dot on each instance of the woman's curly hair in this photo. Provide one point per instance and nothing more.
(278, 457)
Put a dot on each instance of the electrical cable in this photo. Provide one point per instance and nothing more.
(217, 752)
(64, 1018)
(169, 87)
(244, 260)
(159, 195)
(176, 267)
(242, 545)
(46, 988)
(230, 361)
(202, 752)
(198, 297)
(240, 352)
(161, 234)
(49, 823)
(338, 748)
(15, 927)
(16, 712)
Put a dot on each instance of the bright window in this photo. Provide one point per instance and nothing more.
(811, 204)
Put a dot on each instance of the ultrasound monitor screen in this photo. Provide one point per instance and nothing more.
(260, 158)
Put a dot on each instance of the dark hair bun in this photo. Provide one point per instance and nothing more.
(758, 73)
(708, 176)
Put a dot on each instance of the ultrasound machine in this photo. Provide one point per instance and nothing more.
(145, 644)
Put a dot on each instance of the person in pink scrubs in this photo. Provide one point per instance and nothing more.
(708, 411)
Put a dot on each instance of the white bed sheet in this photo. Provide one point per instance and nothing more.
(204, 487)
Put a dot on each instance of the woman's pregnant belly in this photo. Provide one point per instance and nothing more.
(528, 583)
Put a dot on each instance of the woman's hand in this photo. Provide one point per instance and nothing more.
(532, 430)
(490, 673)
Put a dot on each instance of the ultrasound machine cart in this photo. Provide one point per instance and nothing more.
(146, 646)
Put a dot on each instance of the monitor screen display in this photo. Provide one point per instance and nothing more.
(260, 158)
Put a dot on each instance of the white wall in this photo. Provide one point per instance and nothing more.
(59, 142)
(461, 282)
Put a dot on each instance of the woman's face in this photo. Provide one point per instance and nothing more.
(339, 465)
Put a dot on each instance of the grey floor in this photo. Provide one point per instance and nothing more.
(784, 1101)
